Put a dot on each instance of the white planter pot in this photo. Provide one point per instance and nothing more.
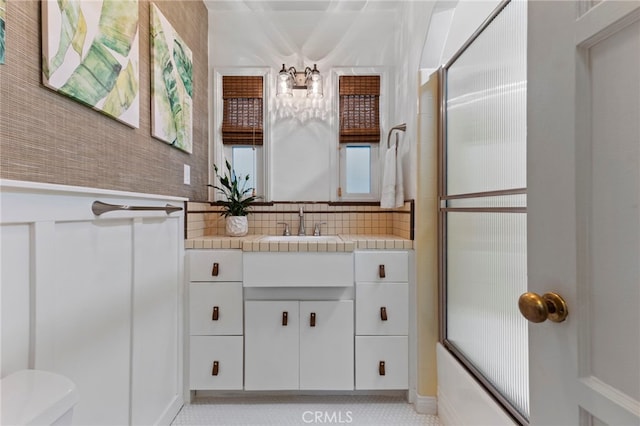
(237, 226)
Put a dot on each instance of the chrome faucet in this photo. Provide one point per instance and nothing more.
(301, 227)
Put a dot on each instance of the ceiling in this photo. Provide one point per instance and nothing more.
(302, 5)
(300, 31)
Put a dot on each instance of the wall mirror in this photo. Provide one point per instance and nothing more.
(299, 158)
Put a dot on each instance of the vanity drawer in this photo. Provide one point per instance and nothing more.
(382, 308)
(215, 265)
(215, 308)
(382, 362)
(205, 351)
(382, 266)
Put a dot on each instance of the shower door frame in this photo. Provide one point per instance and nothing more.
(443, 198)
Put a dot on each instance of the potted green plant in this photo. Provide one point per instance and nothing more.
(238, 200)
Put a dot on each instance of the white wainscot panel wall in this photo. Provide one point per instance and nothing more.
(95, 298)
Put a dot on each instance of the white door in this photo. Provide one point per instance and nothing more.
(583, 217)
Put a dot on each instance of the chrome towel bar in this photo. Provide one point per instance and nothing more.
(401, 127)
(98, 207)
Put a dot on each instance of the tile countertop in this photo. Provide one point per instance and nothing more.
(346, 243)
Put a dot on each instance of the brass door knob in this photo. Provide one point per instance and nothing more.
(550, 306)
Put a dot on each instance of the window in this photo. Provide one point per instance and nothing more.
(359, 136)
(358, 165)
(359, 108)
(243, 110)
(239, 114)
(244, 160)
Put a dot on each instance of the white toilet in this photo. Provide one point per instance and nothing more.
(34, 397)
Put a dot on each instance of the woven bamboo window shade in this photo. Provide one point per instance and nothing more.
(242, 110)
(359, 108)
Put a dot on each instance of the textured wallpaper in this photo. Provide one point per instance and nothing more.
(48, 137)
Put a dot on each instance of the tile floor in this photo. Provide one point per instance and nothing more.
(303, 410)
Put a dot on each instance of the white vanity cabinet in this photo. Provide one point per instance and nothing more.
(306, 345)
(271, 321)
(215, 319)
(382, 320)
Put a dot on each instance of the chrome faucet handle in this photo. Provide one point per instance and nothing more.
(286, 231)
(316, 229)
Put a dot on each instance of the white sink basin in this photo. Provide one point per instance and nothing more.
(301, 238)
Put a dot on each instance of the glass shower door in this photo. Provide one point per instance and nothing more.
(483, 207)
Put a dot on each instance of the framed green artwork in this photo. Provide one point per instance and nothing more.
(90, 53)
(171, 84)
(3, 19)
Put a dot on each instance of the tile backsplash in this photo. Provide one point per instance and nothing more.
(203, 219)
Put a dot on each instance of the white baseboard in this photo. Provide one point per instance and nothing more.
(171, 411)
(246, 394)
(425, 404)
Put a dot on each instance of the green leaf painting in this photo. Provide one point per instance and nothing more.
(124, 92)
(90, 53)
(183, 64)
(94, 78)
(3, 18)
(171, 84)
(71, 29)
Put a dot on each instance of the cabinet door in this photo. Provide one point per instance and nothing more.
(382, 308)
(215, 309)
(326, 345)
(271, 345)
(215, 363)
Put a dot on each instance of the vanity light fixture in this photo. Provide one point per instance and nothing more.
(289, 79)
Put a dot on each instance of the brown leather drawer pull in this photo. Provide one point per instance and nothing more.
(285, 318)
(383, 313)
(216, 368)
(312, 319)
(216, 314)
(381, 272)
(216, 269)
(381, 369)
